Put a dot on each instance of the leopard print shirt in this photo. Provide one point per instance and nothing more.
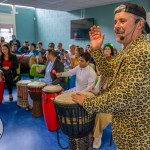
(127, 96)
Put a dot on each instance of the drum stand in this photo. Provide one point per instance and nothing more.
(83, 143)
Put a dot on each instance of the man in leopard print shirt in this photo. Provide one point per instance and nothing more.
(127, 96)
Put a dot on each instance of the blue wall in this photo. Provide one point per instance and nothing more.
(25, 24)
(54, 26)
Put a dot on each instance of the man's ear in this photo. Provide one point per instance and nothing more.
(140, 24)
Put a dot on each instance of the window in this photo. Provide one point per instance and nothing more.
(6, 31)
(6, 26)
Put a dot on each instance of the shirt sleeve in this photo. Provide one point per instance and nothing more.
(91, 80)
(71, 72)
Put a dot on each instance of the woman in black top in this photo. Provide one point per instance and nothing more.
(8, 65)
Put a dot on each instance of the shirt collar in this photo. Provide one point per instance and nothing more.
(85, 68)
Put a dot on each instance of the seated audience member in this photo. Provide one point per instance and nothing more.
(2, 40)
(53, 65)
(115, 52)
(65, 59)
(14, 39)
(41, 50)
(24, 49)
(8, 65)
(88, 51)
(87, 48)
(67, 63)
(61, 58)
(60, 50)
(51, 46)
(32, 50)
(109, 51)
(75, 60)
(85, 75)
(14, 48)
(72, 50)
(102, 120)
(40, 58)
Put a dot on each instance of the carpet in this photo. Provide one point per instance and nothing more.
(23, 132)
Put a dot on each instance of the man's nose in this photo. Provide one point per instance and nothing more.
(117, 26)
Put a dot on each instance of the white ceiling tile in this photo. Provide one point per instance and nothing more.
(62, 5)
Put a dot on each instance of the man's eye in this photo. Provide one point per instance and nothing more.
(123, 21)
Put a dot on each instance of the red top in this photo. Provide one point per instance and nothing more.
(6, 63)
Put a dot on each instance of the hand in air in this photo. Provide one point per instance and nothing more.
(96, 37)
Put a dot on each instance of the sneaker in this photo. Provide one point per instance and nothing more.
(97, 142)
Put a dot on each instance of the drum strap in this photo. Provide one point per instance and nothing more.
(58, 137)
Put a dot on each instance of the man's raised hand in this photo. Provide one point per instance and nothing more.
(96, 37)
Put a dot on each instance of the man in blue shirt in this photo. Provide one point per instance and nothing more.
(53, 65)
(32, 50)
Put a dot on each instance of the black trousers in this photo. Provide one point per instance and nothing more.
(9, 82)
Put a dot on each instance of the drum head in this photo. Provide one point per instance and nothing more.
(23, 82)
(52, 88)
(66, 98)
(37, 84)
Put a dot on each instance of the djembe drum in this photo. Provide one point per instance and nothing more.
(35, 92)
(24, 63)
(48, 94)
(22, 93)
(74, 121)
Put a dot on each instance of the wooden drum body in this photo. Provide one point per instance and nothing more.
(48, 95)
(35, 92)
(22, 92)
(24, 63)
(74, 121)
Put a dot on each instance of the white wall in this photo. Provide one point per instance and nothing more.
(6, 18)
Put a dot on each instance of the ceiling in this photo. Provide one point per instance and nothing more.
(63, 5)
